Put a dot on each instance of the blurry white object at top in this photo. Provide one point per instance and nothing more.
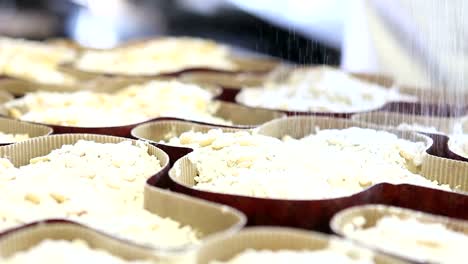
(420, 43)
(105, 23)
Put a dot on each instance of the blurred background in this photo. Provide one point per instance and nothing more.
(250, 26)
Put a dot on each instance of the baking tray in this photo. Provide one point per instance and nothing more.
(315, 214)
(372, 213)
(274, 239)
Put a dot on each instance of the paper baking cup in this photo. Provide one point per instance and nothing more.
(83, 81)
(241, 116)
(244, 116)
(372, 213)
(275, 239)
(243, 65)
(11, 126)
(433, 168)
(163, 130)
(124, 130)
(163, 203)
(26, 237)
(282, 72)
(21, 153)
(118, 131)
(416, 108)
(315, 214)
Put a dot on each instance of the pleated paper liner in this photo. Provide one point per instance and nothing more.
(433, 167)
(165, 129)
(23, 238)
(118, 131)
(249, 61)
(416, 108)
(244, 116)
(243, 65)
(315, 214)
(5, 96)
(21, 153)
(208, 218)
(372, 213)
(276, 239)
(10, 126)
(85, 82)
(284, 71)
(241, 116)
(423, 106)
(82, 81)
